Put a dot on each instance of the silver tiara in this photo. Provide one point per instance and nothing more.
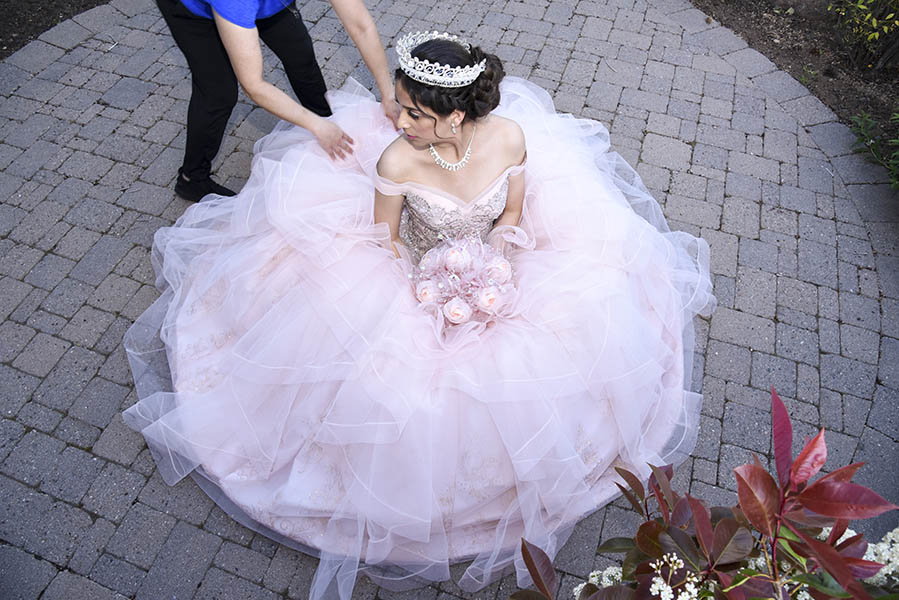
(430, 73)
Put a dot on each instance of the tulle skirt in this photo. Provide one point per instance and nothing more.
(288, 367)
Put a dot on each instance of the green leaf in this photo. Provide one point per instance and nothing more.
(618, 544)
(787, 534)
(789, 550)
(738, 581)
(742, 577)
(822, 582)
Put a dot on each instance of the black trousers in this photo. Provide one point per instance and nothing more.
(214, 91)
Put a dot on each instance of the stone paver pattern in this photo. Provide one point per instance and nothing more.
(805, 259)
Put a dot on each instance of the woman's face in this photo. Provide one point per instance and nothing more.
(418, 122)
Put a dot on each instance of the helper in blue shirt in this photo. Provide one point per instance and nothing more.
(220, 40)
(240, 12)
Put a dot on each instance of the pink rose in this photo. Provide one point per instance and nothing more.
(457, 258)
(426, 291)
(431, 261)
(489, 299)
(457, 310)
(499, 269)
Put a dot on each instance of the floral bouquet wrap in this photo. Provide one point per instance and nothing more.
(465, 280)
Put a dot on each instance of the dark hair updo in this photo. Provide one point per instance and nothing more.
(476, 100)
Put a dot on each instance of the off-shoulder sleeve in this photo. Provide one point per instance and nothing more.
(520, 167)
(388, 187)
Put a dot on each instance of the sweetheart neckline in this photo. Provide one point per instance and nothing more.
(456, 199)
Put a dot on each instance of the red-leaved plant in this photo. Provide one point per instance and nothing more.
(765, 547)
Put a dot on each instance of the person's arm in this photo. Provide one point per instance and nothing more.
(362, 30)
(511, 214)
(516, 150)
(389, 209)
(245, 52)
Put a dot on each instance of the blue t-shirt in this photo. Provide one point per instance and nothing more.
(239, 12)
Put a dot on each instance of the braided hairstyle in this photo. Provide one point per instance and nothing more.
(476, 100)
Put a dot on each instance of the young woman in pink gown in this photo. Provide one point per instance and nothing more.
(291, 369)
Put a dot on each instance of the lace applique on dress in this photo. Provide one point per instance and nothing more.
(425, 224)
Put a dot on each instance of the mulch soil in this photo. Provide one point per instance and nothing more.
(808, 47)
(25, 20)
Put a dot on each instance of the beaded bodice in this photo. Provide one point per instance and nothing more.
(429, 217)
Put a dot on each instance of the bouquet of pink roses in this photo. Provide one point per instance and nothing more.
(465, 280)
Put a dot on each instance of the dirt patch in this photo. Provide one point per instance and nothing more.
(25, 20)
(807, 47)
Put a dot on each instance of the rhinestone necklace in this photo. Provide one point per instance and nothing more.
(457, 165)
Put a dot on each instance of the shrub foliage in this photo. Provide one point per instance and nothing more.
(877, 139)
(870, 29)
(766, 547)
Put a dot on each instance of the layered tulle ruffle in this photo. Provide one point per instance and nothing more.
(289, 368)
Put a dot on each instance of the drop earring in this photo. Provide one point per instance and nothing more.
(453, 128)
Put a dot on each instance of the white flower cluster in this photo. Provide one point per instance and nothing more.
(661, 589)
(758, 564)
(661, 586)
(886, 551)
(606, 578)
(688, 591)
(670, 560)
(803, 594)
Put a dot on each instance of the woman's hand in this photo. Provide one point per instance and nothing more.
(391, 109)
(333, 139)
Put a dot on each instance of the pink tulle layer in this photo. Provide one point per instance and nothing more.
(289, 366)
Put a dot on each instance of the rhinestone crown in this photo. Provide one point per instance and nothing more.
(425, 71)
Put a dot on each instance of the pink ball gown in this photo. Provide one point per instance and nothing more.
(289, 368)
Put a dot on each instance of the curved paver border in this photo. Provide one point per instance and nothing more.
(804, 255)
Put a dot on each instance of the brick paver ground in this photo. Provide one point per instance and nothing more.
(805, 256)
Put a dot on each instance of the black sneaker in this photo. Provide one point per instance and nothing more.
(194, 190)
